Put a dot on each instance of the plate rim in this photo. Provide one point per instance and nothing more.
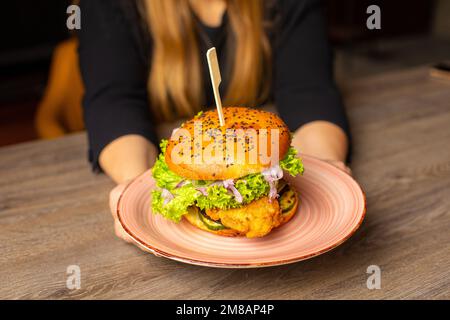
(161, 253)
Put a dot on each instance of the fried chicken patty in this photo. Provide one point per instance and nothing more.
(254, 220)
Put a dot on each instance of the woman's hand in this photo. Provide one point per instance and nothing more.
(124, 159)
(114, 196)
(340, 165)
(127, 157)
(323, 140)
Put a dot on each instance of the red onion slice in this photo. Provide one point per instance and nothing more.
(229, 185)
(202, 191)
(180, 184)
(272, 175)
(166, 195)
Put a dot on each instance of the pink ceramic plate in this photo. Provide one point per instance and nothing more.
(332, 208)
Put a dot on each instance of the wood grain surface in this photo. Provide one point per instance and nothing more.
(54, 213)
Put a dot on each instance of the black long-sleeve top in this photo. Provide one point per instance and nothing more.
(114, 64)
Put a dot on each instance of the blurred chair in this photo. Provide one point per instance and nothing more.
(59, 111)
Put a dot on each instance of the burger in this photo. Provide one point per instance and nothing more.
(228, 180)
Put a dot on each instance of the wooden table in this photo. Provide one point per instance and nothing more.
(54, 213)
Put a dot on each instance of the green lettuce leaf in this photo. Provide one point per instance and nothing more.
(161, 173)
(291, 163)
(184, 197)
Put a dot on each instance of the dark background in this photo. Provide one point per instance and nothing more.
(413, 33)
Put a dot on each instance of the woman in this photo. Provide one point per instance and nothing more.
(143, 63)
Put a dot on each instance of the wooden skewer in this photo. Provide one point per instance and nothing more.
(214, 73)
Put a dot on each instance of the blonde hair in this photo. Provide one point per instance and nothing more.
(175, 81)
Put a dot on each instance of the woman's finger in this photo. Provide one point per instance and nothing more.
(340, 165)
(114, 196)
(120, 232)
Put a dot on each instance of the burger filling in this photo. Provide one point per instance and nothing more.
(175, 194)
(256, 219)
